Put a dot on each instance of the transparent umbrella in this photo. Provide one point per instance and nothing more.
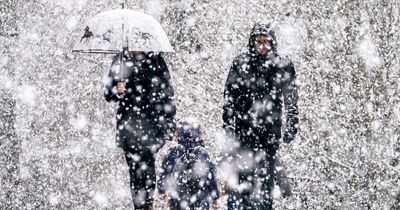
(121, 30)
(115, 30)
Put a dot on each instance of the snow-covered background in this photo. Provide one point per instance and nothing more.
(57, 147)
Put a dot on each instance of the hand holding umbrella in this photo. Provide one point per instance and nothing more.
(121, 87)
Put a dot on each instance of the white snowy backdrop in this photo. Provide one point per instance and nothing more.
(57, 146)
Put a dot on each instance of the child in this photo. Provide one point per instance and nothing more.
(187, 174)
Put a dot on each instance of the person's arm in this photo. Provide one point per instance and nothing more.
(231, 92)
(111, 86)
(290, 94)
(162, 99)
(212, 182)
(215, 194)
(167, 166)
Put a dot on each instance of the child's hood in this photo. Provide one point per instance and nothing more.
(189, 134)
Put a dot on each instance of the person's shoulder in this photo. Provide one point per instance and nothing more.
(156, 57)
(159, 56)
(176, 149)
(241, 62)
(200, 149)
(242, 58)
(167, 146)
(283, 62)
(201, 152)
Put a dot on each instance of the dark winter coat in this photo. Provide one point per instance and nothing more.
(256, 91)
(146, 111)
(189, 141)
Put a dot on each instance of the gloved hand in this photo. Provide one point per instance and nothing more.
(288, 137)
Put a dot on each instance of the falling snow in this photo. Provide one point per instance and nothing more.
(57, 133)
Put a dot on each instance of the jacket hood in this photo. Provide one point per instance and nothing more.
(189, 134)
(262, 29)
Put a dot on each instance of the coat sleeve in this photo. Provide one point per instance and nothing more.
(162, 99)
(215, 194)
(290, 94)
(212, 183)
(110, 84)
(231, 93)
(167, 167)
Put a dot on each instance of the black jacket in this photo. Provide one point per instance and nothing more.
(146, 112)
(256, 90)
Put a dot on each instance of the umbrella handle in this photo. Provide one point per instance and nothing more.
(121, 68)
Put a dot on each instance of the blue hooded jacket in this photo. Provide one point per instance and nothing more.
(189, 140)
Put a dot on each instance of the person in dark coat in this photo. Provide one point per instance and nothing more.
(145, 116)
(260, 85)
(188, 187)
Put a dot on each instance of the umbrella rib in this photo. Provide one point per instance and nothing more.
(97, 51)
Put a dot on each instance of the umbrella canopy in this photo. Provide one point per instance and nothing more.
(116, 30)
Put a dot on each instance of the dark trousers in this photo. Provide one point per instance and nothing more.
(281, 179)
(142, 173)
(258, 181)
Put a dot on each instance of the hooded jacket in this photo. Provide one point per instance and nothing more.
(189, 140)
(257, 90)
